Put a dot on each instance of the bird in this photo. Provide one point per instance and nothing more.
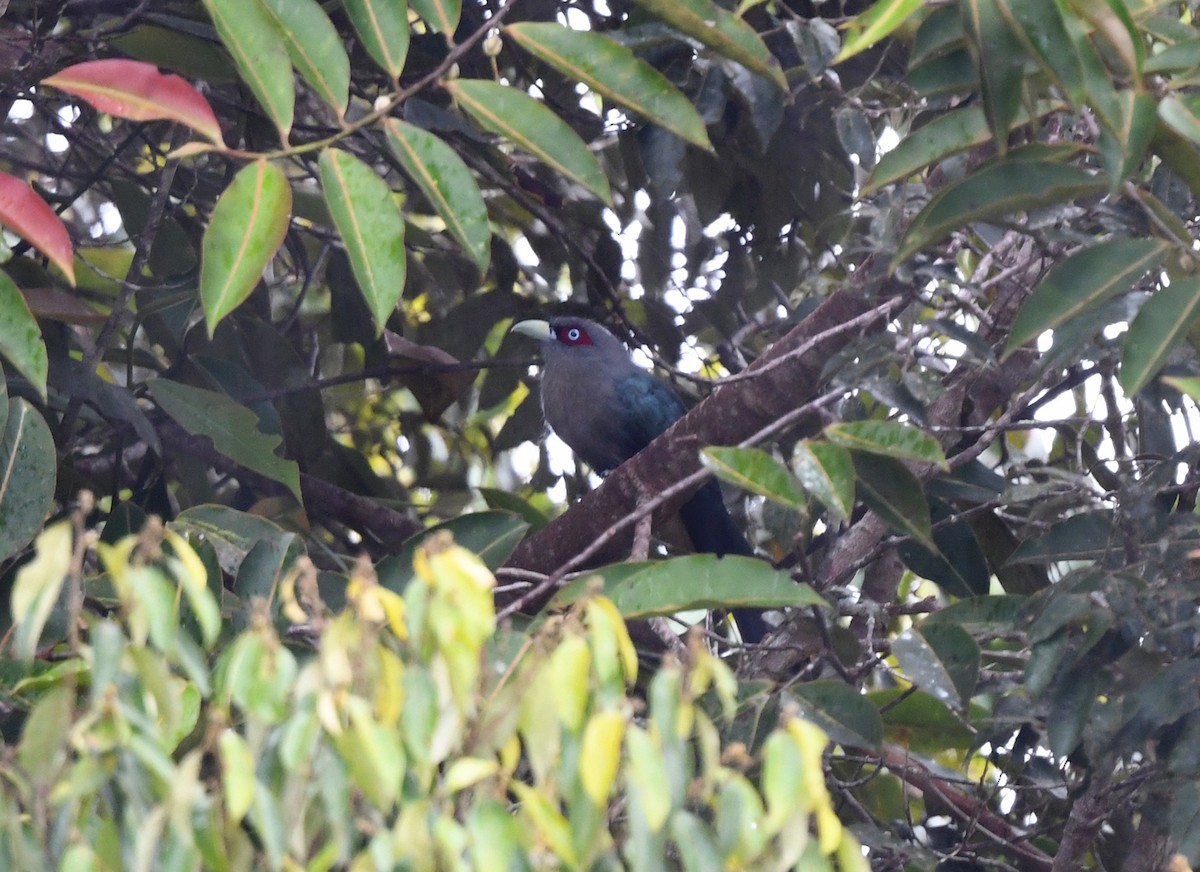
(606, 408)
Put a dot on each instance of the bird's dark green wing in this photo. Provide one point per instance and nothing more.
(648, 408)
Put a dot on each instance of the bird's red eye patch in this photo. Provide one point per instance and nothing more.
(572, 334)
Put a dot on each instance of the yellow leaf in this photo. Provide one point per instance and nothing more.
(468, 771)
(600, 757)
(237, 775)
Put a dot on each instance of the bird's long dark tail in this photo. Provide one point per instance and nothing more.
(713, 531)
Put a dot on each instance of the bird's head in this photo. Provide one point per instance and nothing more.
(569, 337)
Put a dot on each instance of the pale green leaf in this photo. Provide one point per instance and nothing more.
(878, 22)
(382, 25)
(20, 337)
(1081, 282)
(532, 126)
(258, 51)
(315, 49)
(889, 438)
(246, 229)
(372, 227)
(1161, 323)
(998, 189)
(441, 15)
(29, 464)
(447, 183)
(611, 70)
(720, 30)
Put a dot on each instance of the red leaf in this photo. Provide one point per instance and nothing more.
(139, 92)
(26, 214)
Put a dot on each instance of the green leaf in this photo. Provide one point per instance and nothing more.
(531, 125)
(611, 70)
(447, 183)
(441, 15)
(1082, 281)
(246, 229)
(259, 53)
(827, 472)
(382, 25)
(20, 337)
(44, 734)
(945, 664)
(232, 428)
(38, 584)
(1086, 536)
(920, 722)
(238, 781)
(1161, 323)
(1001, 61)
(316, 50)
(756, 471)
(372, 227)
(1000, 188)
(29, 464)
(958, 565)
(1040, 26)
(889, 438)
(1124, 147)
(895, 495)
(949, 134)
(231, 533)
(841, 711)
(1179, 117)
(878, 22)
(996, 615)
(491, 536)
(1070, 707)
(696, 581)
(720, 30)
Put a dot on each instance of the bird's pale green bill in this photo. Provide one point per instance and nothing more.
(539, 330)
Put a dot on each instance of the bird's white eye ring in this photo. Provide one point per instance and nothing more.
(573, 334)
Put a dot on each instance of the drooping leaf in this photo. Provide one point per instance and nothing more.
(611, 70)
(371, 227)
(38, 584)
(1039, 25)
(944, 664)
(532, 126)
(1179, 117)
(954, 132)
(841, 711)
(1160, 324)
(260, 55)
(827, 472)
(876, 23)
(21, 340)
(140, 92)
(315, 49)
(998, 189)
(889, 438)
(447, 183)
(1001, 60)
(382, 25)
(490, 535)
(232, 428)
(895, 495)
(26, 214)
(247, 227)
(696, 581)
(1124, 145)
(720, 30)
(441, 15)
(28, 463)
(756, 471)
(1082, 281)
(920, 722)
